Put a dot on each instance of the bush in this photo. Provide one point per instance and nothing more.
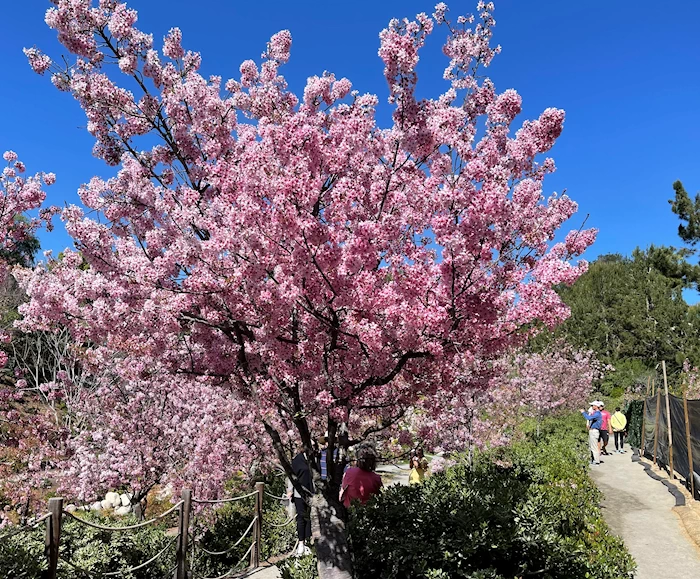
(634, 414)
(96, 551)
(528, 509)
(224, 527)
(299, 567)
(90, 550)
(22, 554)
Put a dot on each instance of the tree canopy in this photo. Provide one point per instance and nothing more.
(631, 312)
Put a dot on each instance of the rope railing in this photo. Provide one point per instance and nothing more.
(233, 569)
(126, 527)
(22, 528)
(186, 545)
(221, 501)
(279, 498)
(287, 522)
(232, 547)
(142, 565)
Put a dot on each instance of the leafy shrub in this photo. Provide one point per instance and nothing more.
(220, 531)
(634, 414)
(22, 554)
(96, 551)
(527, 509)
(90, 550)
(299, 567)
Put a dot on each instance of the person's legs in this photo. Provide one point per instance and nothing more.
(300, 505)
(621, 436)
(604, 439)
(616, 435)
(593, 435)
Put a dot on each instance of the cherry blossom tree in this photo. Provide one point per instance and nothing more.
(142, 427)
(517, 386)
(327, 271)
(18, 195)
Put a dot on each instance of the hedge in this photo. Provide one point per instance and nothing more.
(527, 510)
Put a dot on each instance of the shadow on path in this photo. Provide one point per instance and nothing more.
(678, 495)
(637, 507)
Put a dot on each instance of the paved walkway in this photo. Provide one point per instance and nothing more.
(394, 474)
(271, 572)
(638, 509)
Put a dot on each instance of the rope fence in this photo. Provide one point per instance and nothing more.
(185, 544)
(276, 497)
(235, 567)
(27, 527)
(221, 501)
(124, 528)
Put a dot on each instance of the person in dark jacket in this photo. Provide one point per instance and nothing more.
(300, 467)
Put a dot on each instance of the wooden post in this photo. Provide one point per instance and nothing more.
(183, 530)
(668, 422)
(644, 417)
(53, 535)
(656, 424)
(691, 469)
(257, 527)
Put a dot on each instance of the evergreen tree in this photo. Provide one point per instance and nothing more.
(631, 313)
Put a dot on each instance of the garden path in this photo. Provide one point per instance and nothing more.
(638, 509)
(271, 572)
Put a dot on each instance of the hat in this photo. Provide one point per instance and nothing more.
(595, 403)
(601, 404)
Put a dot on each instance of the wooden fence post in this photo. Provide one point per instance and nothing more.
(257, 527)
(668, 422)
(644, 417)
(656, 423)
(691, 469)
(183, 530)
(53, 535)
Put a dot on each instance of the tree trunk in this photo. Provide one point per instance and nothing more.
(328, 531)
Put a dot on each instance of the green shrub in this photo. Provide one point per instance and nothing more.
(299, 567)
(22, 555)
(527, 509)
(96, 551)
(90, 550)
(634, 414)
(221, 530)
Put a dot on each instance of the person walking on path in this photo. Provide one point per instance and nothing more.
(604, 430)
(417, 474)
(618, 423)
(596, 420)
(300, 466)
(361, 482)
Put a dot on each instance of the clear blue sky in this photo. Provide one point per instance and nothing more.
(626, 72)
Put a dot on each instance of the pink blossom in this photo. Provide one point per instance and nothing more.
(279, 46)
(172, 47)
(39, 62)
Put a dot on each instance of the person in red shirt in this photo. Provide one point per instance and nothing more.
(604, 430)
(361, 482)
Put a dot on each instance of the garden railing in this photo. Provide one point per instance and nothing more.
(185, 542)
